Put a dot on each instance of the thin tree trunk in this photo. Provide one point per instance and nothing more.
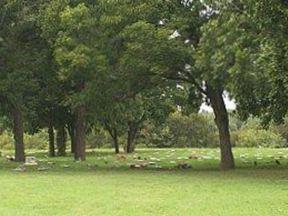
(116, 143)
(131, 135)
(73, 144)
(116, 146)
(222, 122)
(114, 134)
(61, 141)
(71, 130)
(80, 146)
(51, 141)
(18, 131)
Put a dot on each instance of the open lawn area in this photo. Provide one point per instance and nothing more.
(107, 185)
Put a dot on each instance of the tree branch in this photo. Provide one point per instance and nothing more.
(190, 79)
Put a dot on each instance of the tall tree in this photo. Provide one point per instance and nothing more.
(163, 41)
(162, 53)
(249, 41)
(22, 58)
(74, 39)
(261, 58)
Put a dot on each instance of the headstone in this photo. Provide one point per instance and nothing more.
(31, 161)
(10, 158)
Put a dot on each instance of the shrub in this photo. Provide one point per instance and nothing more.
(98, 139)
(153, 136)
(35, 141)
(38, 140)
(6, 140)
(196, 130)
(259, 138)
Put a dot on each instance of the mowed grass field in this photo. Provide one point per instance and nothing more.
(110, 185)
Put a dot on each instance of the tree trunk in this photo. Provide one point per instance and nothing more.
(71, 130)
(115, 142)
(114, 134)
(73, 144)
(61, 141)
(18, 132)
(131, 134)
(80, 146)
(222, 122)
(51, 141)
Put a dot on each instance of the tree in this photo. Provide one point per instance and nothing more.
(48, 109)
(74, 39)
(250, 43)
(22, 57)
(244, 48)
(121, 107)
(112, 121)
(208, 81)
(177, 56)
(154, 106)
(149, 50)
(266, 56)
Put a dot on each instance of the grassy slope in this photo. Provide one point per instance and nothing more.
(112, 188)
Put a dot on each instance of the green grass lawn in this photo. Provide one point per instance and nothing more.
(106, 185)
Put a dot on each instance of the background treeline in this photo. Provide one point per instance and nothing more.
(178, 131)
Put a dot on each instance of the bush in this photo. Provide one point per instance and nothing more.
(196, 130)
(259, 138)
(179, 131)
(98, 139)
(6, 140)
(158, 137)
(35, 141)
(253, 134)
(38, 140)
(281, 129)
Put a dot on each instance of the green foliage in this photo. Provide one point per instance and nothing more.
(253, 134)
(259, 138)
(21, 45)
(192, 131)
(195, 130)
(6, 140)
(246, 44)
(36, 141)
(198, 130)
(98, 139)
